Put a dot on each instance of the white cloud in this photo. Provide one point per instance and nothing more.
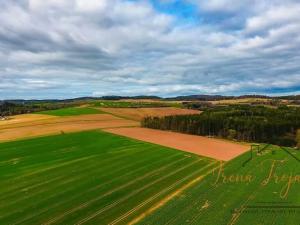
(275, 16)
(46, 4)
(129, 47)
(91, 5)
(31, 57)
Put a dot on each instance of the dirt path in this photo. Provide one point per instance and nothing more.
(209, 147)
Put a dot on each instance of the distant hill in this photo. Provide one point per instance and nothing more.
(199, 98)
(290, 97)
(213, 97)
(176, 98)
(129, 97)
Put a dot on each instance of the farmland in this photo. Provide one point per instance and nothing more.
(243, 123)
(135, 104)
(149, 112)
(24, 127)
(99, 177)
(214, 148)
(140, 113)
(89, 178)
(74, 111)
(248, 197)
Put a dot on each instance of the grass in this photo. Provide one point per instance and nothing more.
(89, 177)
(74, 111)
(240, 202)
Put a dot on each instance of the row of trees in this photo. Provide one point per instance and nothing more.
(238, 122)
(9, 108)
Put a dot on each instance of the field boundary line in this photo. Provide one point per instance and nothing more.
(166, 199)
(135, 192)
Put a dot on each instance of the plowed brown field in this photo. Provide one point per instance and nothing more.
(213, 148)
(31, 125)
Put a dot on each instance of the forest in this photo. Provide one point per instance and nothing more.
(237, 122)
(8, 108)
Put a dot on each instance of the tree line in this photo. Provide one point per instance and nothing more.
(237, 122)
(9, 108)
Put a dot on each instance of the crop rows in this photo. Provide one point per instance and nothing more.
(89, 178)
(250, 202)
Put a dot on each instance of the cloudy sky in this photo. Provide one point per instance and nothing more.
(72, 48)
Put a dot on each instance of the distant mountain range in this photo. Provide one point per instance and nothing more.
(213, 97)
(177, 98)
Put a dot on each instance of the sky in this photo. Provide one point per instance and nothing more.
(73, 48)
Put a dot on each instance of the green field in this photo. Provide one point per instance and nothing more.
(95, 177)
(89, 178)
(70, 111)
(241, 201)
